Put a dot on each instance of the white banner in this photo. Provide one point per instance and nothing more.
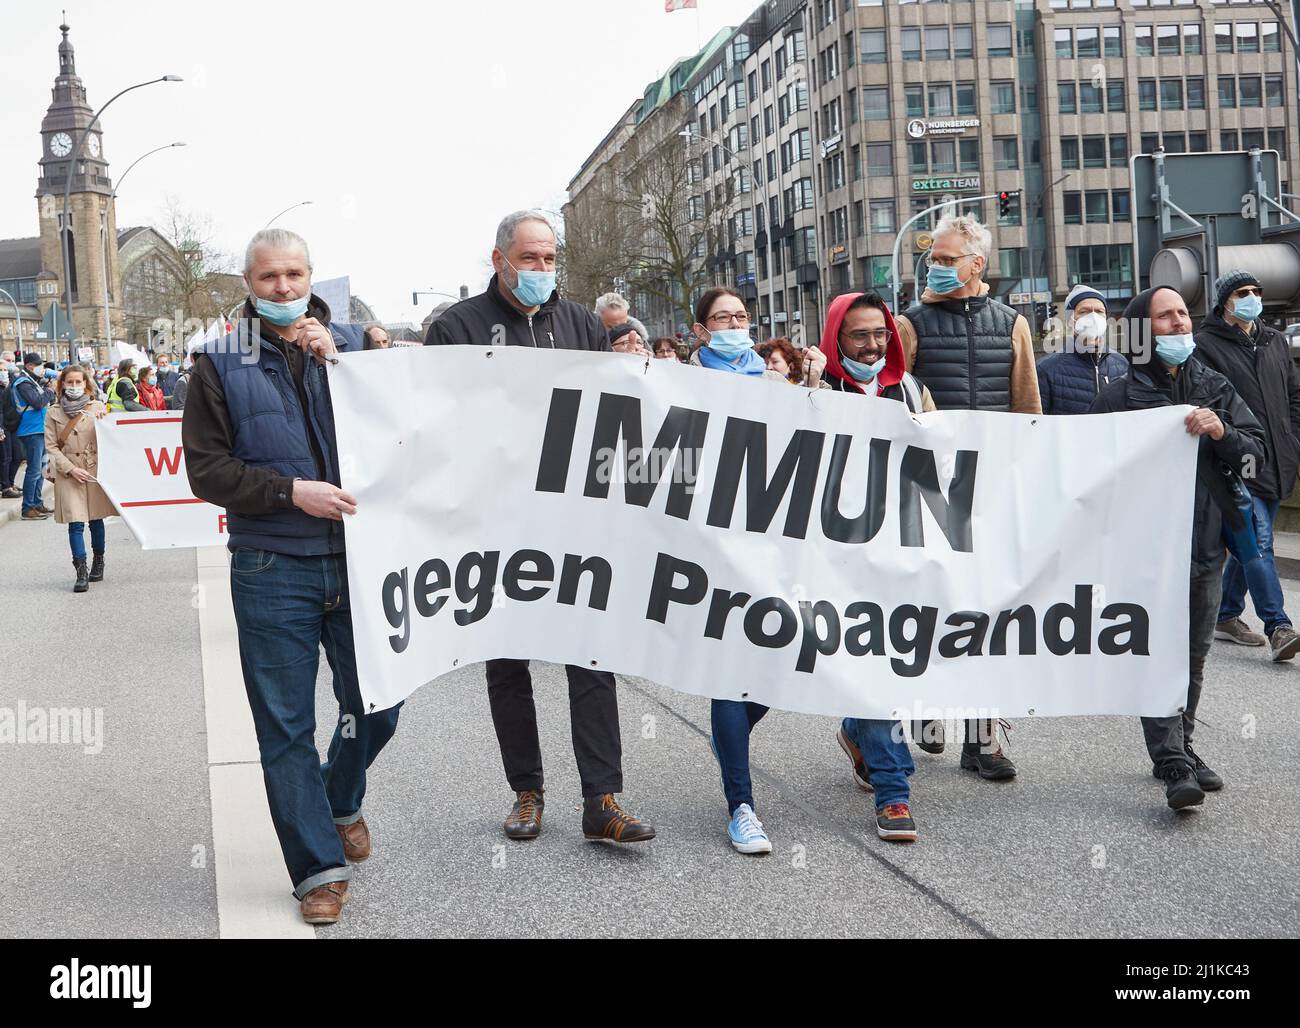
(820, 552)
(142, 468)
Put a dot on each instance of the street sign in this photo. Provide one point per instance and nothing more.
(945, 184)
(1017, 299)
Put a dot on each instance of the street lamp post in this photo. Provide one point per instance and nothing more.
(108, 324)
(291, 207)
(18, 317)
(1037, 205)
(689, 135)
(67, 199)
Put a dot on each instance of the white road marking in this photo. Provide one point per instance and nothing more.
(254, 897)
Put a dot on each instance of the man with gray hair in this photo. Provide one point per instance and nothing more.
(972, 353)
(614, 311)
(522, 308)
(259, 441)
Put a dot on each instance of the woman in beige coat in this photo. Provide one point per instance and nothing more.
(74, 462)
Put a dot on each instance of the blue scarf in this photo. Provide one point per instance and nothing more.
(749, 362)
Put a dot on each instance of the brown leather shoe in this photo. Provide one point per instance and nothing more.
(324, 904)
(356, 840)
(44, 509)
(525, 818)
(34, 515)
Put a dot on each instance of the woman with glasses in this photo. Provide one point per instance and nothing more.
(722, 326)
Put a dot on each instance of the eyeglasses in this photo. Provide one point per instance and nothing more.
(947, 262)
(875, 335)
(1248, 291)
(729, 318)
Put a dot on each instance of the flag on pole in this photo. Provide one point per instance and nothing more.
(678, 5)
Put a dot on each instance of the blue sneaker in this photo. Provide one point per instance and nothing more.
(746, 831)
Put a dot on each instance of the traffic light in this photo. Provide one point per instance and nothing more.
(1051, 311)
(1004, 202)
(904, 298)
(1040, 311)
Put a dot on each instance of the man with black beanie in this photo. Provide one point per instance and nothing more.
(1256, 359)
(1230, 439)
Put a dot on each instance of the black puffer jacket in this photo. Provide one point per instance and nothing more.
(1261, 370)
(489, 320)
(1150, 385)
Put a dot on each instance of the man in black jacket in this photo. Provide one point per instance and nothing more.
(522, 308)
(1229, 438)
(1256, 359)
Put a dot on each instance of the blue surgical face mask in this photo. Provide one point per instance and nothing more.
(1174, 350)
(730, 342)
(1248, 308)
(281, 313)
(862, 372)
(943, 280)
(534, 288)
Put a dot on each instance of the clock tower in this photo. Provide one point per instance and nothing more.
(92, 229)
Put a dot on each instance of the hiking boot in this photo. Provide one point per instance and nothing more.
(861, 776)
(994, 765)
(928, 735)
(1206, 777)
(746, 831)
(34, 515)
(525, 819)
(97, 568)
(894, 823)
(1284, 643)
(324, 904)
(83, 577)
(603, 818)
(1181, 788)
(356, 840)
(1237, 632)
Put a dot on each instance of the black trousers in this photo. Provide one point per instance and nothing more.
(593, 718)
(10, 457)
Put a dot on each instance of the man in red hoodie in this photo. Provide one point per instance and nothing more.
(865, 355)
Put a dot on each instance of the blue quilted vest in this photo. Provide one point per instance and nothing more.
(271, 431)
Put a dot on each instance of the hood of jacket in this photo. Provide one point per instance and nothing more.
(830, 346)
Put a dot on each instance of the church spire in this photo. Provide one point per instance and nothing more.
(67, 57)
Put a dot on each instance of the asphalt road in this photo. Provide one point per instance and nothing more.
(118, 843)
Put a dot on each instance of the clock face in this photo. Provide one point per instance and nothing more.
(92, 144)
(61, 145)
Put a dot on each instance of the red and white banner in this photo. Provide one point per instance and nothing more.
(677, 5)
(142, 468)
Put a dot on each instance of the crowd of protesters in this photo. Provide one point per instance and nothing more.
(956, 348)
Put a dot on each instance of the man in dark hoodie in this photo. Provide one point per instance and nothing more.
(521, 307)
(864, 355)
(1257, 361)
(1230, 438)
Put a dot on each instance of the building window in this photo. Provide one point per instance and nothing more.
(1223, 38)
(875, 103)
(1271, 38)
(1228, 140)
(859, 226)
(999, 40)
(943, 156)
(920, 203)
(1089, 98)
(1069, 152)
(1150, 142)
(1143, 39)
(1197, 142)
(1029, 96)
(1252, 139)
(857, 163)
(1146, 94)
(1100, 265)
(1196, 94)
(1006, 153)
(880, 160)
(968, 154)
(871, 46)
(1064, 43)
(1227, 91)
(1250, 91)
(882, 216)
(1003, 96)
(1073, 209)
(1094, 151)
(1096, 207)
(940, 102)
(1247, 37)
(1118, 151)
(914, 96)
(936, 43)
(965, 97)
(918, 159)
(1171, 94)
(1167, 40)
(1011, 263)
(963, 41)
(1191, 38)
(1273, 91)
(1065, 90)
(1112, 41)
(1277, 140)
(1115, 95)
(911, 44)
(1088, 42)
(1119, 205)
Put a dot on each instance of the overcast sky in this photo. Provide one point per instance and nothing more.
(411, 128)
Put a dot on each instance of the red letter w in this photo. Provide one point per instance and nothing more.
(169, 459)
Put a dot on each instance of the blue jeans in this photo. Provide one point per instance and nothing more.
(33, 481)
(732, 721)
(286, 609)
(887, 756)
(1259, 576)
(77, 538)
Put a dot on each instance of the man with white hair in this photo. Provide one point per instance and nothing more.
(259, 441)
(972, 353)
(521, 307)
(612, 310)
